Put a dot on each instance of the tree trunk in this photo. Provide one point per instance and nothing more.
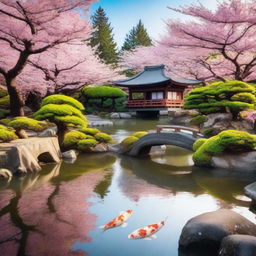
(22, 134)
(16, 101)
(61, 133)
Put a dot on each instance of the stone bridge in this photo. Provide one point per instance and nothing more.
(166, 135)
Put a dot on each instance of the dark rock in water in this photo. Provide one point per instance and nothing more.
(238, 245)
(250, 191)
(208, 229)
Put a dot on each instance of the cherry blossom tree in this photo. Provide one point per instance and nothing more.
(32, 27)
(214, 44)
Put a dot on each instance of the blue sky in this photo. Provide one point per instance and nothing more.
(124, 14)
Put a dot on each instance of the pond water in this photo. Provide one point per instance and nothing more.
(58, 211)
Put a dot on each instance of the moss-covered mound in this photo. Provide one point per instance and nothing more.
(139, 134)
(127, 143)
(85, 145)
(7, 134)
(27, 124)
(198, 119)
(72, 138)
(103, 137)
(90, 131)
(231, 96)
(103, 99)
(229, 141)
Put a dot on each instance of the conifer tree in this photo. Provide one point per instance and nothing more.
(138, 36)
(102, 37)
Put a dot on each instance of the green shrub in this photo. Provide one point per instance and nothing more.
(198, 119)
(229, 141)
(103, 137)
(26, 123)
(127, 143)
(62, 99)
(102, 92)
(139, 134)
(208, 132)
(3, 93)
(7, 134)
(233, 96)
(84, 145)
(5, 121)
(199, 143)
(107, 103)
(4, 113)
(5, 102)
(72, 138)
(90, 131)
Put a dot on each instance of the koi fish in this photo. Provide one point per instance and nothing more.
(118, 221)
(146, 232)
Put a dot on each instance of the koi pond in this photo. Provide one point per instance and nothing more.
(59, 210)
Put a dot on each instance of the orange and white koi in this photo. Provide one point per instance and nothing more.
(146, 232)
(118, 221)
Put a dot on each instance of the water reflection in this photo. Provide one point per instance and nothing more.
(45, 213)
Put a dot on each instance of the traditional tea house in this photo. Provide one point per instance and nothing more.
(152, 90)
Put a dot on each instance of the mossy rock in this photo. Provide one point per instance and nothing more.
(103, 137)
(7, 134)
(85, 145)
(198, 119)
(127, 143)
(27, 124)
(90, 131)
(62, 99)
(72, 138)
(229, 141)
(139, 134)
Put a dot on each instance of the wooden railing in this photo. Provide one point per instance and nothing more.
(175, 128)
(155, 103)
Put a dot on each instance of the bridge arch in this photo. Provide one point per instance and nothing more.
(144, 144)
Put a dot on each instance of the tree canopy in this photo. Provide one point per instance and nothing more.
(138, 36)
(231, 96)
(102, 37)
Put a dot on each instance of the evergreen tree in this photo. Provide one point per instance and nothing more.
(102, 37)
(138, 36)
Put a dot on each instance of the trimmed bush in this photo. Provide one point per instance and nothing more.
(140, 134)
(62, 99)
(231, 96)
(102, 92)
(84, 145)
(103, 137)
(5, 102)
(127, 143)
(198, 144)
(7, 134)
(229, 141)
(3, 93)
(72, 138)
(64, 111)
(26, 123)
(4, 113)
(5, 121)
(90, 131)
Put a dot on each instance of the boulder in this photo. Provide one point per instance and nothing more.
(100, 148)
(210, 228)
(250, 191)
(125, 115)
(5, 174)
(51, 132)
(243, 161)
(181, 117)
(217, 118)
(115, 116)
(158, 150)
(238, 245)
(71, 154)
